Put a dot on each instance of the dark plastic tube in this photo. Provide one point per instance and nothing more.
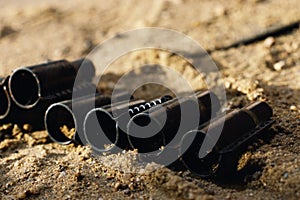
(123, 119)
(60, 114)
(28, 85)
(100, 126)
(239, 127)
(35, 115)
(71, 113)
(166, 121)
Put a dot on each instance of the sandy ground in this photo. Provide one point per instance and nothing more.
(31, 32)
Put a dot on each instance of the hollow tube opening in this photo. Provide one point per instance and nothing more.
(100, 130)
(24, 88)
(145, 133)
(60, 123)
(189, 150)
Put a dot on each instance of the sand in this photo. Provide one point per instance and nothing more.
(31, 32)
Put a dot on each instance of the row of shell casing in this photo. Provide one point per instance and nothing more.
(162, 130)
(55, 94)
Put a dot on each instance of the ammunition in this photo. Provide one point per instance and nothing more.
(100, 126)
(206, 104)
(239, 127)
(123, 119)
(28, 85)
(35, 115)
(71, 113)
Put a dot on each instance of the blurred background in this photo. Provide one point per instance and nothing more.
(34, 31)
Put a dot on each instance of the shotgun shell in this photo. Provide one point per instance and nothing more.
(161, 134)
(238, 128)
(28, 85)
